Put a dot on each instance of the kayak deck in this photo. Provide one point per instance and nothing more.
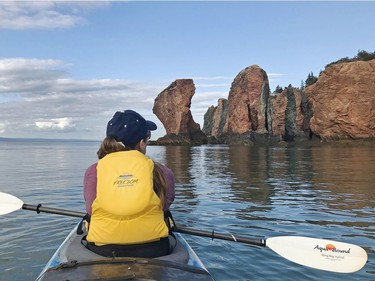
(72, 261)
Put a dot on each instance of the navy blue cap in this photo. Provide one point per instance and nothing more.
(129, 127)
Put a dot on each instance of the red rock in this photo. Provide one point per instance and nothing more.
(172, 107)
(343, 101)
(215, 119)
(290, 114)
(247, 101)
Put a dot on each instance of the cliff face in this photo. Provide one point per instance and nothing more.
(172, 107)
(247, 102)
(340, 105)
(216, 119)
(290, 114)
(251, 112)
(343, 101)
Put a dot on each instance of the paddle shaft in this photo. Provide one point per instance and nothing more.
(40, 209)
(214, 235)
(229, 237)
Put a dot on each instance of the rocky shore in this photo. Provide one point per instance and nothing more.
(339, 106)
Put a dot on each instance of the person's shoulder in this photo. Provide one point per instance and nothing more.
(91, 168)
(164, 168)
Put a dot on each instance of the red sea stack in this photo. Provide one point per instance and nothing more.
(247, 101)
(172, 107)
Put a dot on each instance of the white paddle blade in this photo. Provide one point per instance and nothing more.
(319, 253)
(9, 203)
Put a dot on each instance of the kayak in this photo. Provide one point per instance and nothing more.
(73, 261)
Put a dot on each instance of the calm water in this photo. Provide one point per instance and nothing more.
(317, 190)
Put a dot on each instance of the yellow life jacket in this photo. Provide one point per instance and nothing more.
(126, 209)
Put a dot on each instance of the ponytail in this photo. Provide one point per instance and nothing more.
(108, 146)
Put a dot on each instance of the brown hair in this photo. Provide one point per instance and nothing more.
(160, 183)
(110, 145)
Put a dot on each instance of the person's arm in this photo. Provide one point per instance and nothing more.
(89, 187)
(169, 177)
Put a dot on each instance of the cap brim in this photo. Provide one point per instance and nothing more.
(151, 126)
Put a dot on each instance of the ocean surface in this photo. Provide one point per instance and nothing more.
(316, 190)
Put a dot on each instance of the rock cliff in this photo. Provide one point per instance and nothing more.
(340, 105)
(172, 107)
(251, 114)
(343, 101)
(247, 102)
(290, 114)
(216, 119)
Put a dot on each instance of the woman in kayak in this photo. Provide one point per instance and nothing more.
(127, 194)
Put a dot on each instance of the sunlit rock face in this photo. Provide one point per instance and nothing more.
(247, 102)
(172, 107)
(343, 101)
(340, 105)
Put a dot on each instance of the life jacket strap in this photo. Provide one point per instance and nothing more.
(169, 220)
(87, 218)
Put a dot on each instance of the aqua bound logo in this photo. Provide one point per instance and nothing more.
(332, 248)
(125, 180)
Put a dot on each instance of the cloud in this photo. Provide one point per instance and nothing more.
(56, 124)
(212, 78)
(20, 15)
(274, 77)
(39, 96)
(29, 75)
(2, 128)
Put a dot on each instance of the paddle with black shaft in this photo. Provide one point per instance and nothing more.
(316, 253)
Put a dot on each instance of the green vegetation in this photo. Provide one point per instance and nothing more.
(278, 89)
(361, 56)
(311, 79)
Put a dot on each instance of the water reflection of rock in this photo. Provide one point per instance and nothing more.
(249, 169)
(263, 173)
(178, 158)
(300, 174)
(345, 169)
(291, 166)
(272, 182)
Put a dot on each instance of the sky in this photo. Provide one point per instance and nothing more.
(67, 67)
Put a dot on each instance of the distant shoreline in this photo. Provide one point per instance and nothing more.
(45, 140)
